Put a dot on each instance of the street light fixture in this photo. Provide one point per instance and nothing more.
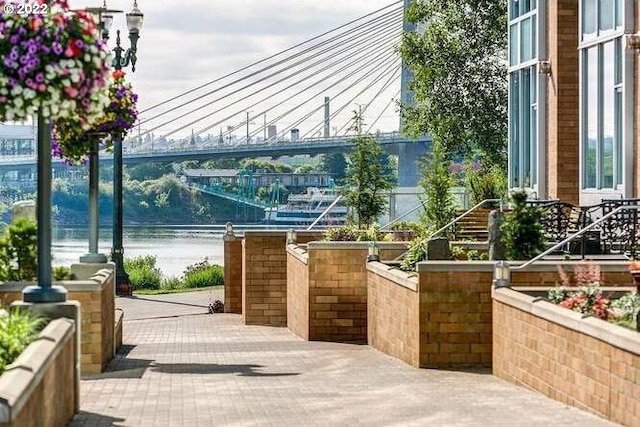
(123, 58)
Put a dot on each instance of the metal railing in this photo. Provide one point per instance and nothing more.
(326, 211)
(452, 222)
(575, 235)
(404, 215)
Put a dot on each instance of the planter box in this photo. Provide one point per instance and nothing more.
(580, 361)
(41, 387)
(264, 275)
(97, 299)
(327, 289)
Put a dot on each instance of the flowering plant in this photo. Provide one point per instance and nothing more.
(71, 141)
(634, 265)
(53, 63)
(584, 294)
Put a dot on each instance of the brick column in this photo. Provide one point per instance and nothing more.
(232, 274)
(563, 141)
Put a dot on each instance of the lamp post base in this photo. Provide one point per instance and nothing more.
(93, 258)
(123, 284)
(44, 294)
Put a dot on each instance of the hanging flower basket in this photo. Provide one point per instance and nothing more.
(71, 141)
(53, 63)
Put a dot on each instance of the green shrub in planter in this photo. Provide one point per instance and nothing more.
(17, 330)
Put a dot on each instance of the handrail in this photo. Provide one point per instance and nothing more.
(577, 234)
(404, 215)
(324, 213)
(468, 212)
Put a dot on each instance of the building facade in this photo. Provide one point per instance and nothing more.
(574, 99)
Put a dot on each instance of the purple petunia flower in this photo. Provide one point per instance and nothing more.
(14, 39)
(39, 77)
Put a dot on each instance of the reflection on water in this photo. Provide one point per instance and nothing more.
(175, 247)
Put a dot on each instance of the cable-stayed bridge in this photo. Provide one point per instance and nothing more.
(309, 99)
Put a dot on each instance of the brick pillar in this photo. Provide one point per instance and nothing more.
(232, 274)
(563, 141)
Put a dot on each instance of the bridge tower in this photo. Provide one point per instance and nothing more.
(408, 154)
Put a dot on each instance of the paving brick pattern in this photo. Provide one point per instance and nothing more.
(198, 369)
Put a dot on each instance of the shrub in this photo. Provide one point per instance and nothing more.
(17, 330)
(143, 273)
(61, 272)
(19, 251)
(171, 284)
(347, 233)
(203, 274)
(439, 206)
(485, 183)
(626, 307)
(416, 252)
(522, 229)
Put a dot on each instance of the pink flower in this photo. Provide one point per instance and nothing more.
(71, 91)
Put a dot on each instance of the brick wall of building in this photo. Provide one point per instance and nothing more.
(232, 274)
(264, 276)
(563, 102)
(97, 305)
(583, 362)
(393, 313)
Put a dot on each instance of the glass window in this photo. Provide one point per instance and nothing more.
(526, 40)
(606, 15)
(608, 115)
(618, 136)
(589, 18)
(618, 61)
(514, 156)
(591, 120)
(619, 13)
(513, 45)
(513, 9)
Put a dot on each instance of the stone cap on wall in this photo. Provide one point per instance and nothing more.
(541, 266)
(26, 372)
(299, 253)
(280, 233)
(95, 284)
(355, 245)
(394, 274)
(614, 335)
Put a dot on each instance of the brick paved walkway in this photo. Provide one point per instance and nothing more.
(183, 367)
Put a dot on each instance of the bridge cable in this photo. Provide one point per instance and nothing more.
(270, 57)
(362, 29)
(233, 93)
(363, 55)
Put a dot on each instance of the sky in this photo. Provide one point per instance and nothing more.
(184, 44)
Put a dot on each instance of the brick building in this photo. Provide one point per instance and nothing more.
(574, 98)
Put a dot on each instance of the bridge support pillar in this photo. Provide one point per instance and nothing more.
(408, 169)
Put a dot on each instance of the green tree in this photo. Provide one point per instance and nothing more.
(523, 235)
(367, 179)
(148, 171)
(437, 181)
(459, 64)
(272, 167)
(335, 164)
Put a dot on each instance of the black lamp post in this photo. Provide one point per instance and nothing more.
(123, 58)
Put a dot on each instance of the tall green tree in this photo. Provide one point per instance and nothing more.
(459, 60)
(439, 206)
(367, 179)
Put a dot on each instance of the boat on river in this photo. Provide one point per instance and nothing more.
(304, 209)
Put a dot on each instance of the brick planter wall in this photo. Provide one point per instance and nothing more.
(97, 300)
(333, 290)
(264, 275)
(39, 388)
(393, 312)
(232, 274)
(580, 361)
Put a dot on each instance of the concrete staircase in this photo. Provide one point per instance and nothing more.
(473, 227)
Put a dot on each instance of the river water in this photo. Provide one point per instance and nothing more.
(175, 247)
